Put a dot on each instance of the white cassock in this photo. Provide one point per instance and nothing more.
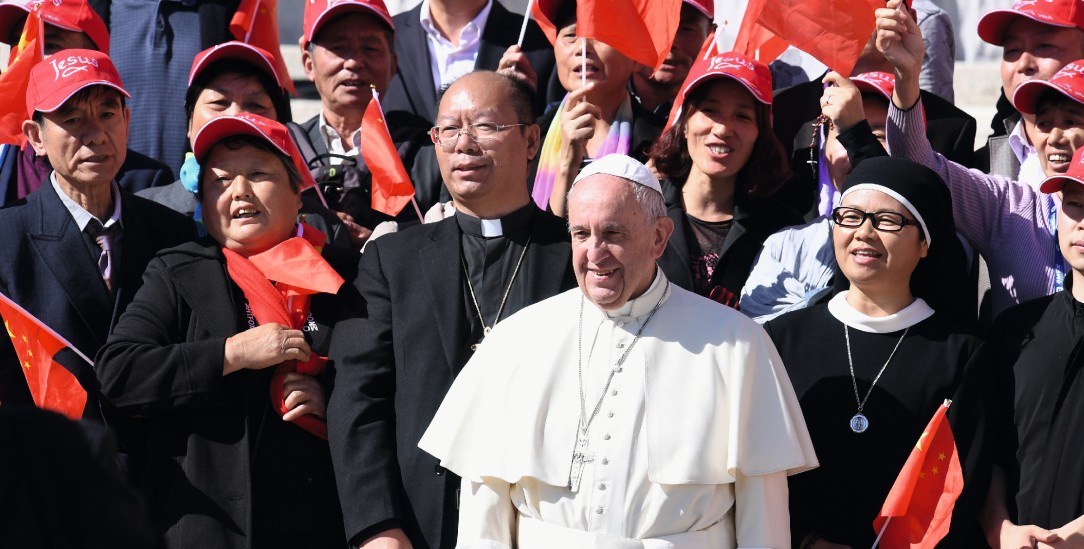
(690, 448)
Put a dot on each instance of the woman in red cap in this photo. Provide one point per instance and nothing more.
(722, 162)
(215, 372)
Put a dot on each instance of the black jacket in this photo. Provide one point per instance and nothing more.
(216, 464)
(47, 268)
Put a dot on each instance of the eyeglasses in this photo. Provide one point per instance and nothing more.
(852, 218)
(480, 133)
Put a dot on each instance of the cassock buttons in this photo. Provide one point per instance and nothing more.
(606, 437)
(601, 486)
(599, 511)
(614, 392)
(605, 461)
(439, 470)
(611, 414)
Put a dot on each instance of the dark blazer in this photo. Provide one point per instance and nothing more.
(411, 140)
(201, 444)
(412, 89)
(138, 171)
(754, 221)
(395, 366)
(950, 130)
(46, 266)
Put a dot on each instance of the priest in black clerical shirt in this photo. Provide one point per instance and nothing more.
(431, 294)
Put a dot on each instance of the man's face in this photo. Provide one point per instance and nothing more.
(692, 30)
(57, 39)
(86, 139)
(492, 172)
(1058, 133)
(349, 54)
(614, 244)
(228, 94)
(1071, 226)
(1036, 51)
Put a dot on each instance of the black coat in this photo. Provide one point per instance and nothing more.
(47, 268)
(412, 89)
(950, 130)
(203, 446)
(754, 221)
(395, 366)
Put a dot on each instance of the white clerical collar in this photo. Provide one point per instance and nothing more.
(643, 304)
(491, 227)
(910, 315)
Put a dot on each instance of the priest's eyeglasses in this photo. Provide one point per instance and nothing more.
(482, 132)
(852, 218)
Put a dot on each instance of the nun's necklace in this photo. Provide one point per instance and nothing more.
(859, 423)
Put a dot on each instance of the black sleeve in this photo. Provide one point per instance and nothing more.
(361, 410)
(148, 363)
(860, 143)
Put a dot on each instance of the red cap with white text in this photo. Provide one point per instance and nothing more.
(1056, 13)
(58, 78)
(1075, 172)
(72, 15)
(877, 82)
(253, 125)
(240, 51)
(319, 12)
(749, 72)
(1069, 81)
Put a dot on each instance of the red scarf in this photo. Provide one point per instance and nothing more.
(277, 284)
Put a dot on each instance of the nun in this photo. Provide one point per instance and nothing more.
(871, 365)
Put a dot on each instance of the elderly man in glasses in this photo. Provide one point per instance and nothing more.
(448, 284)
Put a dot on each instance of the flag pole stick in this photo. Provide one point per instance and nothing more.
(881, 533)
(526, 19)
(417, 210)
(583, 63)
(248, 32)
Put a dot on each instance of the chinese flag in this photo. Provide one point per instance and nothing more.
(256, 22)
(52, 386)
(918, 509)
(392, 189)
(833, 31)
(643, 30)
(14, 80)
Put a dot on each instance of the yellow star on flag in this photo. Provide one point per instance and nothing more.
(921, 474)
(934, 470)
(8, 328)
(920, 439)
(941, 456)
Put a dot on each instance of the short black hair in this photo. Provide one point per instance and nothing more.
(520, 95)
(279, 97)
(84, 94)
(237, 142)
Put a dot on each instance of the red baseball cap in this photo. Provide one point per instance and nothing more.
(876, 82)
(1069, 81)
(1075, 172)
(706, 7)
(72, 15)
(54, 81)
(751, 73)
(318, 12)
(240, 51)
(1057, 13)
(254, 125)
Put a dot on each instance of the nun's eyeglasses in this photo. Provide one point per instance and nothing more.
(852, 218)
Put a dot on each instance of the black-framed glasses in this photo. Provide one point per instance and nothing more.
(852, 218)
(480, 133)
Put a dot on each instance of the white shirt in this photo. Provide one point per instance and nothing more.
(81, 216)
(449, 61)
(1031, 172)
(334, 141)
(673, 449)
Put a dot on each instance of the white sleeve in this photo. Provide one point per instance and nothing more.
(486, 515)
(762, 516)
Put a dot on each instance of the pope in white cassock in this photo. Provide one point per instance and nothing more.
(627, 413)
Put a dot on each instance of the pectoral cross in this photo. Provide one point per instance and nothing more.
(580, 458)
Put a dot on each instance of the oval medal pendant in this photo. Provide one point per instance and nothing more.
(859, 423)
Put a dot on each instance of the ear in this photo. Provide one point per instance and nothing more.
(533, 134)
(34, 136)
(925, 249)
(306, 60)
(394, 66)
(663, 228)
